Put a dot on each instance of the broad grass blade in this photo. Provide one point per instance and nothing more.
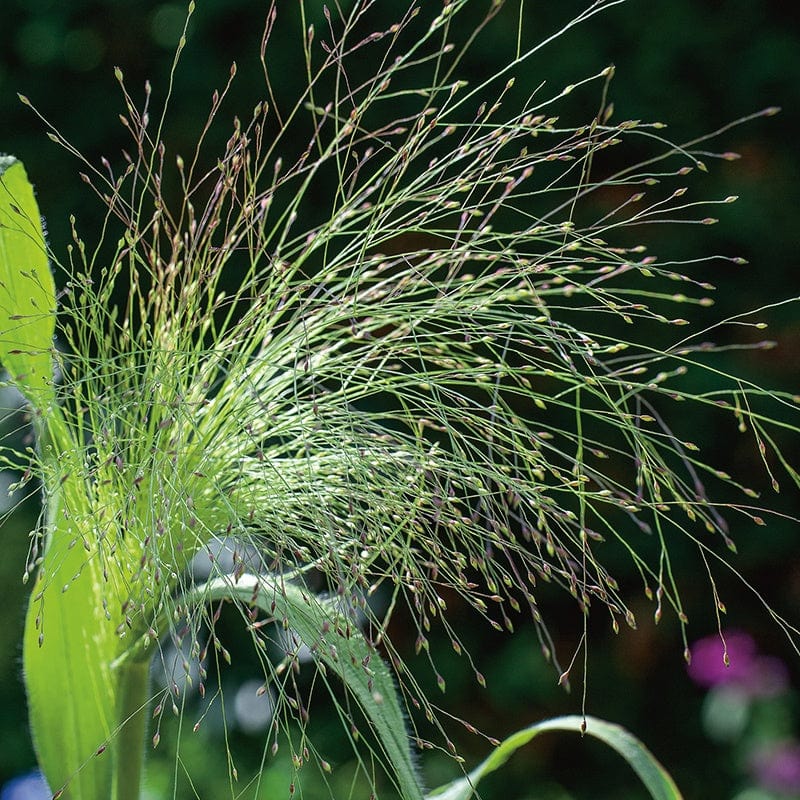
(69, 644)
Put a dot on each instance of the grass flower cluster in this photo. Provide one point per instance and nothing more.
(460, 383)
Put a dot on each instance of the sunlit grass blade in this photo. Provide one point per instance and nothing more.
(69, 643)
(67, 646)
(27, 291)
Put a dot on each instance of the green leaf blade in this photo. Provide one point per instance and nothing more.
(27, 289)
(315, 621)
(650, 771)
(69, 643)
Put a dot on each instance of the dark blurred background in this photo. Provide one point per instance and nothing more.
(695, 64)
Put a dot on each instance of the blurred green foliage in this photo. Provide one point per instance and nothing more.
(695, 64)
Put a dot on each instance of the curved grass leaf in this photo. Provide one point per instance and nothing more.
(68, 642)
(337, 644)
(639, 758)
(27, 291)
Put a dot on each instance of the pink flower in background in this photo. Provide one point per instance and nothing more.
(778, 768)
(755, 674)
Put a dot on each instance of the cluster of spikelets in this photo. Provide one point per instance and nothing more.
(456, 388)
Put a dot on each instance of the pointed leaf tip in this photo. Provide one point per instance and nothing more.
(27, 289)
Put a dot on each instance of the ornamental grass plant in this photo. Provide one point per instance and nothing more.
(458, 382)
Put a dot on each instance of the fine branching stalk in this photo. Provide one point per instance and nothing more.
(461, 383)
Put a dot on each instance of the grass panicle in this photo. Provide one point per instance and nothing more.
(458, 380)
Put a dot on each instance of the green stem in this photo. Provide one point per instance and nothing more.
(132, 717)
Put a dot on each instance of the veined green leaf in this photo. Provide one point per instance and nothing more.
(321, 627)
(69, 644)
(27, 291)
(641, 760)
